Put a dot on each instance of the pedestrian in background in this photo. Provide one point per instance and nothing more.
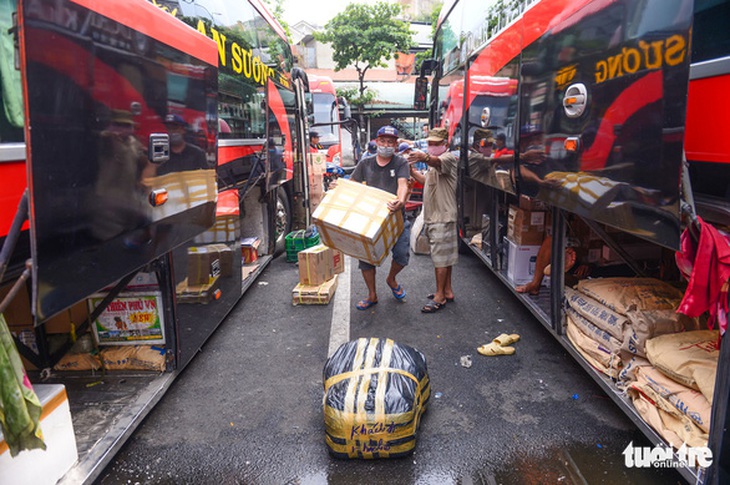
(439, 212)
(386, 171)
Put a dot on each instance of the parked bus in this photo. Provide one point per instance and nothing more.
(140, 158)
(600, 101)
(326, 107)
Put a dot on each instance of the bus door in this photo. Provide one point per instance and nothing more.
(116, 177)
(602, 119)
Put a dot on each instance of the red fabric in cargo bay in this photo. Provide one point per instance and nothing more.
(707, 266)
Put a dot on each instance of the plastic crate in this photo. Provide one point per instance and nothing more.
(297, 241)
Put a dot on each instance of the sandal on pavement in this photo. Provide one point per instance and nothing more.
(493, 349)
(448, 300)
(506, 339)
(399, 293)
(432, 307)
(365, 304)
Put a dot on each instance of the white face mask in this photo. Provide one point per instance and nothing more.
(436, 150)
(386, 152)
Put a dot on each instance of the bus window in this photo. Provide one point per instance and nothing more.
(11, 96)
(710, 35)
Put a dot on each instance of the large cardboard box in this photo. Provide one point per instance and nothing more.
(130, 319)
(526, 227)
(206, 262)
(317, 168)
(520, 262)
(314, 295)
(355, 219)
(316, 265)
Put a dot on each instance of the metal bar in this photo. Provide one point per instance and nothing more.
(557, 275)
(615, 246)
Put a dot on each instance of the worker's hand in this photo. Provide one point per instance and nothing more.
(416, 156)
(395, 205)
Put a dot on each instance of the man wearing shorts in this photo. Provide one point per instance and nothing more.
(439, 212)
(386, 171)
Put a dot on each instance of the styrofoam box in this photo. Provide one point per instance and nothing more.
(38, 467)
(520, 262)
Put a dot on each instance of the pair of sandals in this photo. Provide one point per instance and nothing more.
(399, 294)
(433, 306)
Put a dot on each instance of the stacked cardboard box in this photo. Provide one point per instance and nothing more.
(250, 249)
(318, 266)
(521, 261)
(526, 227)
(355, 219)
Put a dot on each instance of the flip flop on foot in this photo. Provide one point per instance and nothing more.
(448, 300)
(506, 339)
(493, 349)
(432, 307)
(399, 293)
(365, 304)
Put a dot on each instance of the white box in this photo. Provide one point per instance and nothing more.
(38, 467)
(520, 262)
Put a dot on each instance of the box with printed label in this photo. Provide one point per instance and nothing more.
(315, 265)
(355, 219)
(521, 260)
(526, 227)
(206, 262)
(250, 249)
(130, 319)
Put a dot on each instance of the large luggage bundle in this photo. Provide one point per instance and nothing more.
(375, 393)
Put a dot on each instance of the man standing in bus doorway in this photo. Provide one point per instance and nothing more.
(314, 145)
(389, 172)
(439, 212)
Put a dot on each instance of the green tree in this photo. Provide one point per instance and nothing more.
(428, 53)
(366, 36)
(277, 7)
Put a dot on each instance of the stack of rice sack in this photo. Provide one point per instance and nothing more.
(375, 393)
(609, 321)
(628, 329)
(673, 391)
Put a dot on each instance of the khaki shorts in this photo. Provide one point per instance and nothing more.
(444, 244)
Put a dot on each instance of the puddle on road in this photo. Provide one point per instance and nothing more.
(576, 465)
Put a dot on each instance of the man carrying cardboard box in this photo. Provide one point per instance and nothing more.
(389, 172)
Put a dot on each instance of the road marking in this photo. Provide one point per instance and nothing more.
(340, 327)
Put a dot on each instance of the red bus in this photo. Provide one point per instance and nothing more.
(326, 107)
(601, 100)
(151, 154)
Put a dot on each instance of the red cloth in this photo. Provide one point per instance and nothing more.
(708, 265)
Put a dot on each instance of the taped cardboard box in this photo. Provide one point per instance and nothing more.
(355, 219)
(209, 261)
(316, 265)
(526, 228)
(314, 295)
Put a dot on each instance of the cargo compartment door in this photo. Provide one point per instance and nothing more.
(603, 100)
(120, 128)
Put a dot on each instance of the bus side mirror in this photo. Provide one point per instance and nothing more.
(428, 66)
(345, 107)
(421, 92)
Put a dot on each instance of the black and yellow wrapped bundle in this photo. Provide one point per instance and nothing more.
(375, 394)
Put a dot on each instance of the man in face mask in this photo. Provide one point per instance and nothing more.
(439, 212)
(386, 171)
(183, 155)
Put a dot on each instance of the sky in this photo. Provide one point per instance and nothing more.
(315, 11)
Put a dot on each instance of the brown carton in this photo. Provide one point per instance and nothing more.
(315, 265)
(314, 295)
(526, 228)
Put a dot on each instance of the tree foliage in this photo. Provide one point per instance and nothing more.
(355, 98)
(366, 36)
(277, 7)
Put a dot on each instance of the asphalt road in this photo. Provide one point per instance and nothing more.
(248, 409)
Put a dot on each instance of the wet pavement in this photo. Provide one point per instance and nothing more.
(248, 409)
